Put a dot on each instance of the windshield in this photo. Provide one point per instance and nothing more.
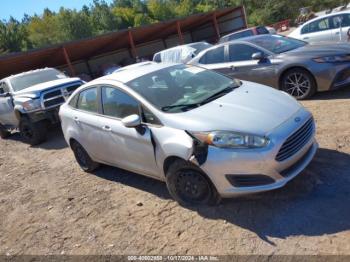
(276, 43)
(30, 79)
(181, 87)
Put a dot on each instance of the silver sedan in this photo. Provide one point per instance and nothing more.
(206, 135)
(294, 66)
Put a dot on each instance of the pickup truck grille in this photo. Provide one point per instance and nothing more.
(57, 96)
(296, 141)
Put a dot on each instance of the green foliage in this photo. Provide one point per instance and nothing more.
(100, 17)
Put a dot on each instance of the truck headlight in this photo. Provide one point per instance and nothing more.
(333, 59)
(31, 104)
(228, 139)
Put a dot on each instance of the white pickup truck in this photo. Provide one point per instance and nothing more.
(29, 102)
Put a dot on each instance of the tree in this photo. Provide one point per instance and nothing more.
(13, 36)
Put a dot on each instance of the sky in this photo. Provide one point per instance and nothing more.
(17, 8)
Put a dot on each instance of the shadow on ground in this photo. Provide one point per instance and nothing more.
(314, 203)
(55, 139)
(342, 93)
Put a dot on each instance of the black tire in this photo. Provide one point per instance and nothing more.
(83, 158)
(299, 83)
(33, 133)
(188, 185)
(4, 133)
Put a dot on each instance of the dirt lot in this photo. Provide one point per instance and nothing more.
(48, 206)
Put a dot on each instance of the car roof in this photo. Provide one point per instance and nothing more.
(27, 73)
(181, 46)
(132, 72)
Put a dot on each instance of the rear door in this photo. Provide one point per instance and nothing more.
(318, 31)
(86, 121)
(7, 113)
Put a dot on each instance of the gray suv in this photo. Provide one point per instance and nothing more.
(30, 101)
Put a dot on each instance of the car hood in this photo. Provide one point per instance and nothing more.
(34, 91)
(320, 49)
(251, 108)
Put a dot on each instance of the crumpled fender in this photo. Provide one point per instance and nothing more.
(171, 142)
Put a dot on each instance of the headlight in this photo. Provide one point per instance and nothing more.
(333, 59)
(31, 105)
(227, 139)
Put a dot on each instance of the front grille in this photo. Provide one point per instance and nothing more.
(58, 96)
(53, 94)
(296, 141)
(249, 180)
(71, 89)
(290, 170)
(54, 102)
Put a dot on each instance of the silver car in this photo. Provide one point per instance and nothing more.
(294, 66)
(207, 136)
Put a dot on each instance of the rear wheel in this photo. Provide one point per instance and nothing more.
(33, 133)
(4, 133)
(83, 158)
(189, 186)
(299, 83)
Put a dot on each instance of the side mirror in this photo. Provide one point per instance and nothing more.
(258, 56)
(131, 121)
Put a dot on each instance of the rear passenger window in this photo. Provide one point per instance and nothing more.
(87, 100)
(118, 104)
(216, 55)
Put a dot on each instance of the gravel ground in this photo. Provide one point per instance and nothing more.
(49, 206)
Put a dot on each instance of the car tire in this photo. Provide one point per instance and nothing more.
(188, 185)
(33, 133)
(4, 133)
(83, 158)
(299, 83)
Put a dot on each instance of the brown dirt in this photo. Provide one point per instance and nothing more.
(49, 206)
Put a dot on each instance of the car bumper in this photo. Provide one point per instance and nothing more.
(223, 164)
(332, 76)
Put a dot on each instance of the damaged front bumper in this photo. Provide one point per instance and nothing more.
(239, 171)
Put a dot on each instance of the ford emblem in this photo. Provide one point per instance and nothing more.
(297, 119)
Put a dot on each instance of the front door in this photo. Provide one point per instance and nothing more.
(241, 65)
(129, 148)
(7, 113)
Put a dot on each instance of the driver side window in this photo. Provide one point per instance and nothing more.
(118, 104)
(241, 52)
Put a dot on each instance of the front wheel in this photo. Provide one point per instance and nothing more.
(4, 133)
(189, 186)
(298, 83)
(33, 133)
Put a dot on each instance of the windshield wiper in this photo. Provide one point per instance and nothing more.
(219, 94)
(205, 101)
(184, 106)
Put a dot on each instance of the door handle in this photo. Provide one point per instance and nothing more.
(337, 33)
(233, 68)
(76, 119)
(306, 38)
(107, 128)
